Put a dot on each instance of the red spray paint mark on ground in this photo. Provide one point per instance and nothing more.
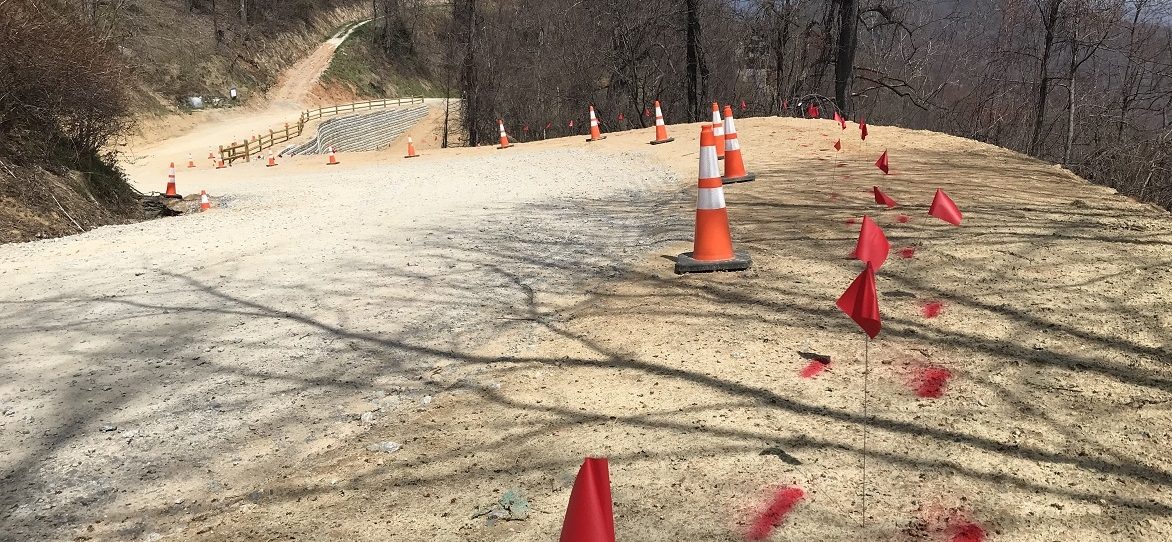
(932, 309)
(852, 221)
(931, 381)
(815, 368)
(968, 532)
(907, 252)
(903, 219)
(783, 502)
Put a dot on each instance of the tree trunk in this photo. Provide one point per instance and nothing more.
(844, 58)
(1049, 21)
(693, 60)
(1070, 98)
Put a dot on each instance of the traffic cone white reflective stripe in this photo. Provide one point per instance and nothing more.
(333, 157)
(204, 202)
(171, 192)
(734, 164)
(718, 130)
(660, 127)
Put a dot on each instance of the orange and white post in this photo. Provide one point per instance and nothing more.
(660, 127)
(712, 247)
(410, 148)
(718, 131)
(734, 163)
(595, 132)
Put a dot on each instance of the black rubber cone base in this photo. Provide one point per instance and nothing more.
(658, 142)
(742, 179)
(599, 139)
(686, 264)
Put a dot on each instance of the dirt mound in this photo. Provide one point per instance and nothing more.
(36, 203)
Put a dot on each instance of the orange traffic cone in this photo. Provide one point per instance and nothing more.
(718, 131)
(190, 161)
(272, 160)
(734, 165)
(712, 248)
(171, 192)
(595, 132)
(211, 156)
(590, 513)
(204, 202)
(410, 148)
(504, 137)
(220, 164)
(660, 128)
(333, 158)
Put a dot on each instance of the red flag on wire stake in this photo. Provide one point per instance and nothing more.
(884, 199)
(590, 514)
(882, 163)
(838, 145)
(646, 112)
(620, 116)
(945, 209)
(860, 301)
(863, 128)
(872, 246)
(744, 106)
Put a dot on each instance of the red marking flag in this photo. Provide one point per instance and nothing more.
(884, 199)
(882, 164)
(863, 128)
(945, 209)
(860, 301)
(590, 514)
(872, 246)
(744, 106)
(838, 145)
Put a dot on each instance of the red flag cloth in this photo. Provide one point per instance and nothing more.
(590, 514)
(781, 505)
(549, 125)
(838, 145)
(945, 209)
(872, 246)
(646, 112)
(811, 111)
(863, 129)
(884, 199)
(525, 128)
(860, 301)
(837, 117)
(744, 106)
(785, 105)
(882, 164)
(842, 122)
(620, 116)
(571, 123)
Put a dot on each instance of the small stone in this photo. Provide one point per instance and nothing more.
(367, 417)
(388, 447)
(426, 400)
(108, 429)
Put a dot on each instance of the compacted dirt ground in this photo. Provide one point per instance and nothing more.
(493, 316)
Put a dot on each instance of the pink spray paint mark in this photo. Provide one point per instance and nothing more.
(903, 219)
(932, 309)
(907, 252)
(815, 368)
(931, 381)
(968, 532)
(783, 502)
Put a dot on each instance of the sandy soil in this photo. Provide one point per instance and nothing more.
(501, 314)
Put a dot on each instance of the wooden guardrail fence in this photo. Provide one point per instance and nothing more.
(260, 142)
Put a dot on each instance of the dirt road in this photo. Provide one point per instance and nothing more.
(501, 314)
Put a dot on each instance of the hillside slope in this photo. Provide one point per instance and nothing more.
(503, 313)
